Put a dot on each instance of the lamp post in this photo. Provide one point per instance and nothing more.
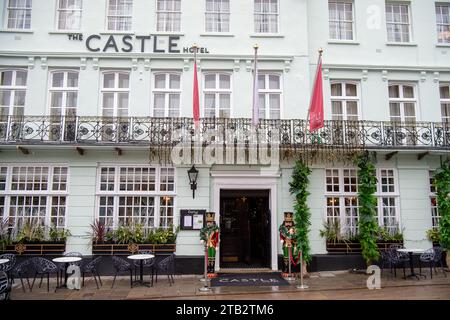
(193, 175)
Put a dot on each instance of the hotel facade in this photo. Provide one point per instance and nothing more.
(92, 93)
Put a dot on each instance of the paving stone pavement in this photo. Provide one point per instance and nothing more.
(322, 285)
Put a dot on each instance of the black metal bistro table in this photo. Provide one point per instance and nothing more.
(66, 261)
(141, 258)
(411, 262)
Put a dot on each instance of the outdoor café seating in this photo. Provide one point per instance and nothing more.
(44, 267)
(5, 286)
(121, 265)
(165, 266)
(92, 268)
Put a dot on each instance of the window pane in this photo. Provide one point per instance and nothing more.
(174, 81)
(6, 78)
(225, 82)
(108, 80)
(160, 81)
(274, 82)
(210, 81)
(58, 79)
(408, 92)
(394, 92)
(336, 89)
(124, 80)
(351, 90)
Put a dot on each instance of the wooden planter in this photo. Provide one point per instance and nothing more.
(127, 249)
(35, 249)
(355, 247)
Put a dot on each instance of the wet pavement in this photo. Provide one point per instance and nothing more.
(322, 286)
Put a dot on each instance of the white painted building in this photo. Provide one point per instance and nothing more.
(386, 64)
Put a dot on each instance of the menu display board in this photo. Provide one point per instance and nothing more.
(192, 219)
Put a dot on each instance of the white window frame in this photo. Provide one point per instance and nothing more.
(433, 208)
(344, 99)
(267, 92)
(339, 22)
(409, 24)
(60, 10)
(64, 90)
(116, 90)
(116, 193)
(169, 13)
(14, 88)
(444, 117)
(217, 92)
(109, 15)
(441, 25)
(395, 194)
(401, 100)
(216, 24)
(8, 9)
(49, 193)
(167, 91)
(267, 14)
(342, 195)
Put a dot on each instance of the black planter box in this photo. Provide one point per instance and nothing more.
(127, 249)
(28, 249)
(355, 247)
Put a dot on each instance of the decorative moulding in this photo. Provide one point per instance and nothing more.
(83, 63)
(95, 63)
(237, 65)
(147, 64)
(423, 76)
(365, 75)
(134, 64)
(31, 63)
(248, 65)
(326, 74)
(44, 63)
(287, 65)
(436, 76)
(384, 75)
(186, 64)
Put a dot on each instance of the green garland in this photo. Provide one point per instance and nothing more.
(368, 226)
(302, 215)
(442, 183)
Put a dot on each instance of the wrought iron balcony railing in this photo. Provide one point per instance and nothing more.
(171, 131)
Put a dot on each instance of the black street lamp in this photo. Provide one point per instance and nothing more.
(193, 175)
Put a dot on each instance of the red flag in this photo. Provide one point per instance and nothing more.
(316, 119)
(196, 104)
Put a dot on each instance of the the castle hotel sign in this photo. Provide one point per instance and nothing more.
(133, 43)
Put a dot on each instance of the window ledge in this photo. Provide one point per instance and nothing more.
(402, 44)
(267, 35)
(216, 34)
(65, 32)
(349, 42)
(443, 45)
(116, 32)
(16, 31)
(162, 33)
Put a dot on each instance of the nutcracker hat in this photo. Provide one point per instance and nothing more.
(210, 216)
(288, 216)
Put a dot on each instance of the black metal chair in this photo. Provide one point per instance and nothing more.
(398, 259)
(166, 266)
(385, 260)
(23, 270)
(5, 286)
(149, 263)
(427, 257)
(7, 267)
(44, 267)
(92, 268)
(121, 265)
(438, 259)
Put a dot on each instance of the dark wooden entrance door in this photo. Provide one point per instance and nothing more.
(245, 229)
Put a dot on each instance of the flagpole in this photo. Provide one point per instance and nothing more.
(195, 47)
(255, 113)
(315, 78)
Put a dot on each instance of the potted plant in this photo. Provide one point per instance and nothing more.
(442, 183)
(131, 238)
(32, 238)
(336, 241)
(434, 236)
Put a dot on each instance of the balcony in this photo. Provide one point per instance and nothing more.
(168, 132)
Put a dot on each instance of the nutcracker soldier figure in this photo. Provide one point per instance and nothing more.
(289, 243)
(210, 237)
